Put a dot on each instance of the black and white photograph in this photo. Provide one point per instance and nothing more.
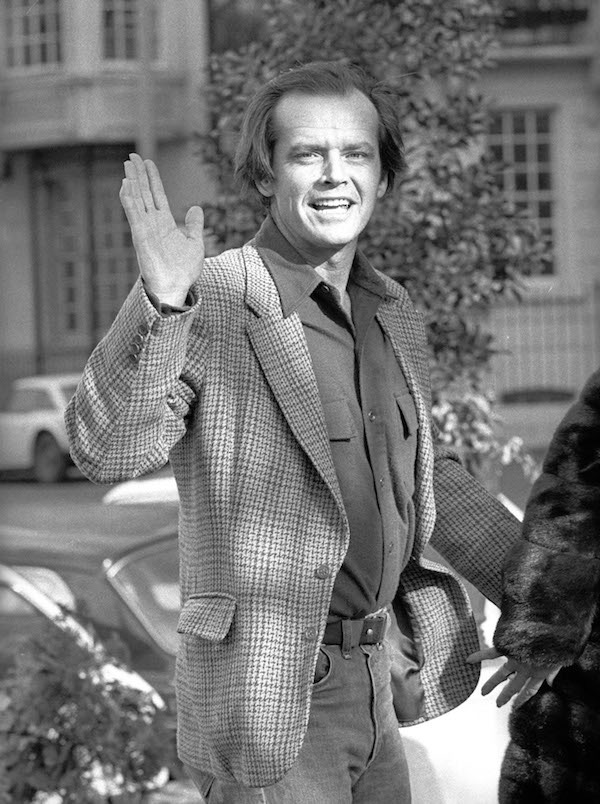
(299, 401)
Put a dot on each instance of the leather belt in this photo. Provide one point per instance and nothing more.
(351, 633)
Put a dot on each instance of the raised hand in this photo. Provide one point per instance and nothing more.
(524, 680)
(170, 259)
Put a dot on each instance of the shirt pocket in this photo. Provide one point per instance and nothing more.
(339, 421)
(408, 414)
(208, 616)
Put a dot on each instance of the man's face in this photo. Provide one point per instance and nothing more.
(327, 171)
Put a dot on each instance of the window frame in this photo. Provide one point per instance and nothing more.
(503, 146)
(16, 16)
(122, 59)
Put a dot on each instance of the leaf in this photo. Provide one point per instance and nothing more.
(447, 232)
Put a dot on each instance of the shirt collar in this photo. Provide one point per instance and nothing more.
(294, 278)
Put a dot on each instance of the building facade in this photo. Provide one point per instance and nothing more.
(82, 82)
(545, 89)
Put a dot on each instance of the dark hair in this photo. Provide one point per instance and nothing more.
(255, 149)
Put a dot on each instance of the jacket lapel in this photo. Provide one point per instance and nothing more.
(282, 352)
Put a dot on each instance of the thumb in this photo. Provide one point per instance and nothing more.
(194, 223)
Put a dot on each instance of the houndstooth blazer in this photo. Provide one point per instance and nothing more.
(227, 393)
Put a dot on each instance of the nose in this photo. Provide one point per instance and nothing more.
(334, 169)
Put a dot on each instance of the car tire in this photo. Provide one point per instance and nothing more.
(49, 461)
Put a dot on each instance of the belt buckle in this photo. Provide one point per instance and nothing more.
(375, 626)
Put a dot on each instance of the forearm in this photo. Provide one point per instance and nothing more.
(473, 530)
(552, 576)
(548, 606)
(130, 406)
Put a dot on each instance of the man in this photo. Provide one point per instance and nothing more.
(287, 383)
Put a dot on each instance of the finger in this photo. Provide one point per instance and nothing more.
(483, 655)
(194, 223)
(156, 186)
(143, 183)
(131, 187)
(132, 207)
(514, 686)
(499, 677)
(493, 681)
(528, 691)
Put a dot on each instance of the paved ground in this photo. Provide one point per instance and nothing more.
(455, 759)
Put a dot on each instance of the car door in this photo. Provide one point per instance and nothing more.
(27, 413)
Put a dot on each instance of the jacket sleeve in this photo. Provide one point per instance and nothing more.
(473, 530)
(552, 576)
(136, 392)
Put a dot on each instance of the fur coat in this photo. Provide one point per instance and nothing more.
(550, 616)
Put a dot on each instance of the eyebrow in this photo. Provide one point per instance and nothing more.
(307, 145)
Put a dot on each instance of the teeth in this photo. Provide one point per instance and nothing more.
(332, 204)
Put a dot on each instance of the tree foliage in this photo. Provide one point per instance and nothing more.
(71, 728)
(446, 232)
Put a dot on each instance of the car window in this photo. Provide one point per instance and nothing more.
(51, 584)
(19, 621)
(149, 583)
(26, 400)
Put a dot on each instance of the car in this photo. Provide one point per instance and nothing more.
(117, 580)
(33, 436)
(110, 579)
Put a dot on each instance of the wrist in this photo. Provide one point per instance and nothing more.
(171, 297)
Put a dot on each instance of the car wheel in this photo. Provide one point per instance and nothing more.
(49, 461)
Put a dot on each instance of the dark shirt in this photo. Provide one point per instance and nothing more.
(370, 418)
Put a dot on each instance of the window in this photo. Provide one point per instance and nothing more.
(520, 140)
(148, 581)
(19, 621)
(33, 32)
(69, 252)
(543, 22)
(116, 263)
(533, 13)
(86, 264)
(119, 24)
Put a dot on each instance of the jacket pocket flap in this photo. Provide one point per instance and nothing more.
(208, 616)
(408, 413)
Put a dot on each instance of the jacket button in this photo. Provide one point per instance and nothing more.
(372, 415)
(322, 572)
(135, 349)
(310, 633)
(143, 329)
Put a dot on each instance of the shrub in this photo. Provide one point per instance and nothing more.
(69, 726)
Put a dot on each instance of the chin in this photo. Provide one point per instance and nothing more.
(337, 235)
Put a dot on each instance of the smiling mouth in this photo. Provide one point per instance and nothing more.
(332, 203)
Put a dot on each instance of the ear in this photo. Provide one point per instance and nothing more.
(382, 186)
(265, 187)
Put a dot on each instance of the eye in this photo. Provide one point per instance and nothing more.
(357, 155)
(306, 156)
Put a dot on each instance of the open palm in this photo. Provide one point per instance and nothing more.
(170, 258)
